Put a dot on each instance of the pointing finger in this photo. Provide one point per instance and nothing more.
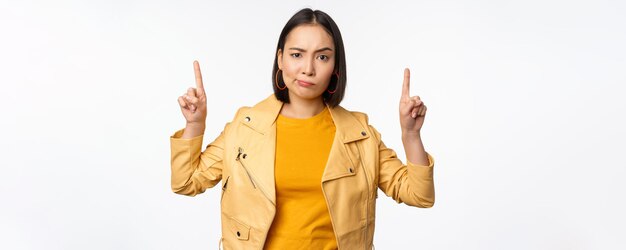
(406, 83)
(199, 84)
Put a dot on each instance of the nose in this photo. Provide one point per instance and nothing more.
(308, 68)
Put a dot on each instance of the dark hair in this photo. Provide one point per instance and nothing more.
(308, 16)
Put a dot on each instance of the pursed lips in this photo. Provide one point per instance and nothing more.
(304, 83)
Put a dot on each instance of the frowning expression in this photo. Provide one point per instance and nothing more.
(307, 62)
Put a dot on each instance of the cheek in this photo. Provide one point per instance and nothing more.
(327, 74)
(329, 69)
(290, 69)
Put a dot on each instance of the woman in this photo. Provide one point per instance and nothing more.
(299, 171)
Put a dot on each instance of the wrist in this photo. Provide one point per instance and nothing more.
(413, 135)
(195, 125)
(194, 129)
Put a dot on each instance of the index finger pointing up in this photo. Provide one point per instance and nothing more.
(196, 69)
(406, 83)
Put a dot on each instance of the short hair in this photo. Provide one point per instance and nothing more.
(309, 16)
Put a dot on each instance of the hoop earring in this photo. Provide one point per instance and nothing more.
(276, 78)
(332, 92)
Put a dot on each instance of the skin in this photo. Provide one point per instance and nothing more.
(193, 106)
(309, 56)
(412, 115)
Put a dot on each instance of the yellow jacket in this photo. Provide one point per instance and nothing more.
(242, 157)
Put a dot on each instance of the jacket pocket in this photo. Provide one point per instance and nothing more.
(240, 230)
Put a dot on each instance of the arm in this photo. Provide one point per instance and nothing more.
(411, 184)
(194, 171)
(414, 149)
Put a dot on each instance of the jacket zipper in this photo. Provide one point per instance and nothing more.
(224, 187)
(244, 167)
(367, 205)
(252, 180)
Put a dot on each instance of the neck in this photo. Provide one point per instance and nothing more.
(302, 108)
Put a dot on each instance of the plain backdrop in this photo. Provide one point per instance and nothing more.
(525, 116)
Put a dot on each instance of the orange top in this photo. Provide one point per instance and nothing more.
(302, 220)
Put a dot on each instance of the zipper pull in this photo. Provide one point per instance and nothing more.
(239, 154)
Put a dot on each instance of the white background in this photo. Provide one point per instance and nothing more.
(524, 120)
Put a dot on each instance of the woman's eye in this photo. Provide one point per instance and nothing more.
(295, 55)
(323, 57)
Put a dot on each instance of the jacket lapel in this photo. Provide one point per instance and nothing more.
(261, 119)
(344, 156)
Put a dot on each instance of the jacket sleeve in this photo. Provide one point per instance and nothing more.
(194, 171)
(411, 184)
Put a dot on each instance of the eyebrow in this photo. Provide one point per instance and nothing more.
(319, 50)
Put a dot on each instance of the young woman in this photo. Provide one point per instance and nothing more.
(299, 171)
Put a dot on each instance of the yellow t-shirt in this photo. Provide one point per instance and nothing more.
(302, 220)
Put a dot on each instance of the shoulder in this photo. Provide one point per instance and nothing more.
(260, 116)
(363, 119)
(241, 111)
(360, 117)
(259, 107)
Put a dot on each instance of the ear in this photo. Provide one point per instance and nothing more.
(279, 58)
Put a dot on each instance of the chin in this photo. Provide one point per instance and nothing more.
(309, 95)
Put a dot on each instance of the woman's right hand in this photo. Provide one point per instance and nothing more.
(193, 103)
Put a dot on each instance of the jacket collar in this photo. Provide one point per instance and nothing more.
(262, 116)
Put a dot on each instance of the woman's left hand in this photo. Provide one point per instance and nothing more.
(412, 109)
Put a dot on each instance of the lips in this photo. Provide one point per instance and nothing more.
(304, 83)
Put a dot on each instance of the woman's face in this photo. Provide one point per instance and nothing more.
(307, 62)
